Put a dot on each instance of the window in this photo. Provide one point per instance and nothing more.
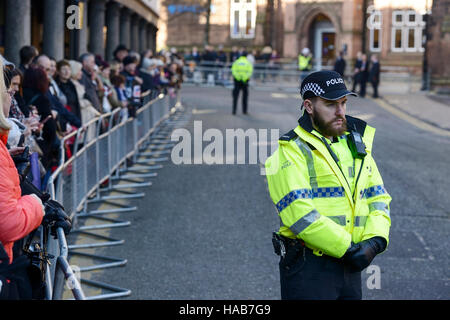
(407, 31)
(242, 18)
(375, 31)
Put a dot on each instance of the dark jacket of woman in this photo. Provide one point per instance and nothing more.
(48, 144)
(68, 88)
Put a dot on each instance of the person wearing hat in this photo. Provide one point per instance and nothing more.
(241, 71)
(120, 53)
(329, 194)
(305, 62)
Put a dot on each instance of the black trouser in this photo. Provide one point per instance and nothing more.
(362, 83)
(375, 88)
(238, 86)
(311, 277)
(356, 81)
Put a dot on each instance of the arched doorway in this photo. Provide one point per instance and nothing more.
(322, 41)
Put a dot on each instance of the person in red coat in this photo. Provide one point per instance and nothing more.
(19, 215)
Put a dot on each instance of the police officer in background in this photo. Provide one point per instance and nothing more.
(241, 70)
(304, 62)
(329, 194)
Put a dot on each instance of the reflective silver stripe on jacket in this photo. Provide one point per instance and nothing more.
(305, 221)
(379, 206)
(307, 153)
(360, 221)
(338, 219)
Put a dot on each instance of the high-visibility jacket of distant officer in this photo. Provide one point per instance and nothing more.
(305, 60)
(242, 71)
(330, 199)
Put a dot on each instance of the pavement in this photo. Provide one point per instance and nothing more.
(428, 107)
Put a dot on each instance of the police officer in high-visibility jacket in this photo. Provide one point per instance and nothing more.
(330, 197)
(241, 70)
(304, 63)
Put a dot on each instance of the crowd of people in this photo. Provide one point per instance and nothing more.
(363, 72)
(219, 57)
(50, 99)
(42, 101)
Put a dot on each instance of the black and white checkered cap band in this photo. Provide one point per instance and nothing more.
(313, 87)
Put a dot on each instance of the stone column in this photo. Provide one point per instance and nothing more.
(96, 24)
(54, 25)
(83, 32)
(150, 43)
(142, 35)
(17, 28)
(113, 33)
(148, 35)
(134, 32)
(125, 27)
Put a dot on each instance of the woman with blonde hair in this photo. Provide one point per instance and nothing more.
(88, 112)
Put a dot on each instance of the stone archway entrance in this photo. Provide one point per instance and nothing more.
(322, 41)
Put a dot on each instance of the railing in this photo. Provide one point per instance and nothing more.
(264, 75)
(288, 77)
(101, 147)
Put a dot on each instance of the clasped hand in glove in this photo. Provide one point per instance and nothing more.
(56, 217)
(360, 255)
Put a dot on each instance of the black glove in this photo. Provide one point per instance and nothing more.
(55, 217)
(22, 162)
(360, 255)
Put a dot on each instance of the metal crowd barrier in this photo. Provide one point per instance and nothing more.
(101, 147)
(264, 75)
(287, 78)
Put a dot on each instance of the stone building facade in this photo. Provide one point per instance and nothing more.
(392, 29)
(232, 22)
(438, 46)
(103, 25)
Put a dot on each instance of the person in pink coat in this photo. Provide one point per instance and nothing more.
(19, 215)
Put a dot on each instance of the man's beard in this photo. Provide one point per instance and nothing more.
(326, 128)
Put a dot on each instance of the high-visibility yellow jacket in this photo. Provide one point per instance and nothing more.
(242, 69)
(304, 63)
(326, 203)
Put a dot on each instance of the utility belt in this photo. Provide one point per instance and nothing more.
(289, 249)
(282, 245)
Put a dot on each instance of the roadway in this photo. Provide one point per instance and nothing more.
(204, 231)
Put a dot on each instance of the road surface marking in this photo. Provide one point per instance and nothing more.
(203, 111)
(416, 122)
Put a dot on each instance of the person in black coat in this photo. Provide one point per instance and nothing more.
(357, 71)
(340, 64)
(67, 87)
(364, 75)
(35, 87)
(374, 74)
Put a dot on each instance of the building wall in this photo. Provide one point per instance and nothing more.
(187, 29)
(350, 24)
(42, 23)
(439, 46)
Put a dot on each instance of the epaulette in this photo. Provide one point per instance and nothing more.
(288, 136)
